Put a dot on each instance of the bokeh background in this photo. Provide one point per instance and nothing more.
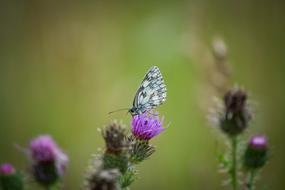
(65, 65)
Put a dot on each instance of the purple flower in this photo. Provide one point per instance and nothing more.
(258, 142)
(7, 169)
(43, 149)
(145, 127)
(49, 162)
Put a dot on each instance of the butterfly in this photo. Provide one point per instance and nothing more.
(151, 93)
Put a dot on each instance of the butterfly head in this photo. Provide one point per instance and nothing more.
(134, 111)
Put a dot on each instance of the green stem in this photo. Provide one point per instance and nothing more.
(48, 187)
(251, 180)
(234, 179)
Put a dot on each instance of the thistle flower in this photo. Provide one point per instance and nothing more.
(7, 169)
(115, 138)
(48, 161)
(236, 114)
(256, 154)
(9, 178)
(258, 143)
(145, 127)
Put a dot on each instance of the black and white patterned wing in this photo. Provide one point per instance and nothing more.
(152, 91)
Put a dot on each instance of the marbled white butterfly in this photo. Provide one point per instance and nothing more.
(151, 93)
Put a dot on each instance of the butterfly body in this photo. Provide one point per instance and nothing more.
(151, 93)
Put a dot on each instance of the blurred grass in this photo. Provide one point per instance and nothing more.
(64, 66)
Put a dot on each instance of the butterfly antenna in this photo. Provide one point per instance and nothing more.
(118, 110)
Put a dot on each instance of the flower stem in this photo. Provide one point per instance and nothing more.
(50, 187)
(251, 180)
(233, 170)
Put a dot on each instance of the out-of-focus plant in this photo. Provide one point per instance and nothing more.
(233, 116)
(10, 179)
(254, 158)
(233, 119)
(114, 169)
(47, 161)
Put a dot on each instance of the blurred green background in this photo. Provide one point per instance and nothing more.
(65, 65)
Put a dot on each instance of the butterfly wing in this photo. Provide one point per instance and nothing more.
(152, 91)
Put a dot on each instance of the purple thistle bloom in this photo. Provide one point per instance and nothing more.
(48, 160)
(7, 169)
(258, 142)
(256, 154)
(145, 127)
(43, 149)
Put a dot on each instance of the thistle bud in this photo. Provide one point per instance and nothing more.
(106, 179)
(236, 115)
(9, 178)
(256, 154)
(99, 178)
(140, 150)
(115, 138)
